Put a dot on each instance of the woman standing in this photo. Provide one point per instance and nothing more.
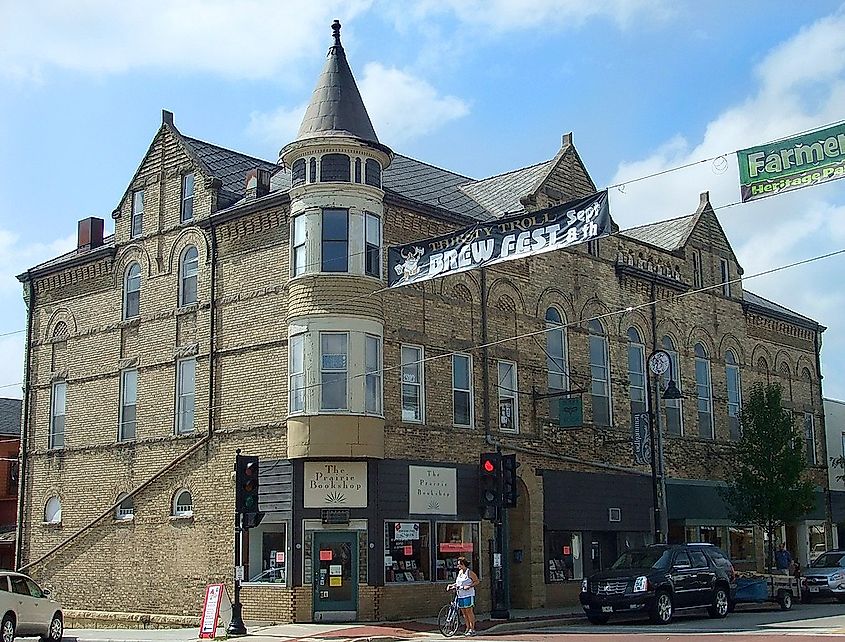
(465, 584)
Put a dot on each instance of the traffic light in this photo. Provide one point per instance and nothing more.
(246, 483)
(490, 485)
(510, 490)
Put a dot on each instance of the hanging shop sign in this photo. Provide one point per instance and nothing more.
(570, 412)
(792, 163)
(641, 437)
(505, 239)
(432, 490)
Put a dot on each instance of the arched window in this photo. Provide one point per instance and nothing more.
(183, 504)
(357, 170)
(556, 359)
(53, 511)
(297, 172)
(60, 332)
(763, 368)
(599, 374)
(373, 173)
(126, 508)
(704, 393)
(334, 168)
(807, 378)
(734, 394)
(786, 381)
(674, 414)
(132, 292)
(188, 269)
(636, 371)
(312, 171)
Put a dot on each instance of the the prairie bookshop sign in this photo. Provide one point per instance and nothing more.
(335, 484)
(432, 490)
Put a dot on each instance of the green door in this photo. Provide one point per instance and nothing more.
(335, 576)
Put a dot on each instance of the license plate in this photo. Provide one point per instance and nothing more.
(607, 609)
(814, 589)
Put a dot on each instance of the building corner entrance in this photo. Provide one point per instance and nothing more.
(335, 578)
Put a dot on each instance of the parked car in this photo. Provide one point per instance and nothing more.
(658, 580)
(28, 610)
(720, 558)
(825, 577)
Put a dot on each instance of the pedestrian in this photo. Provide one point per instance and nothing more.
(783, 560)
(465, 584)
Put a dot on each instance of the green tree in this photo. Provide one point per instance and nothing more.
(769, 487)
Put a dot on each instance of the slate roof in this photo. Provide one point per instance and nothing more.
(776, 309)
(108, 241)
(500, 194)
(10, 417)
(667, 235)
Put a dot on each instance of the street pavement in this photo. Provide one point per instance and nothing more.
(808, 621)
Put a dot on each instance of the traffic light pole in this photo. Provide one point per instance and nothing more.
(236, 626)
(500, 585)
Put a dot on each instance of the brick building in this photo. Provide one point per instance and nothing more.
(240, 303)
(10, 443)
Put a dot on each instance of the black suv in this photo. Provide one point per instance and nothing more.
(658, 580)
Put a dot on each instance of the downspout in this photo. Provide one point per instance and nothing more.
(212, 333)
(828, 500)
(24, 424)
(485, 367)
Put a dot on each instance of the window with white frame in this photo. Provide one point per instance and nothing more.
(125, 509)
(372, 245)
(636, 371)
(335, 244)
(187, 197)
(462, 390)
(697, 278)
(556, 359)
(674, 414)
(183, 504)
(599, 374)
(128, 405)
(413, 384)
(333, 370)
(188, 271)
(508, 397)
(186, 372)
(296, 377)
(725, 275)
(58, 406)
(137, 220)
(132, 291)
(734, 394)
(810, 437)
(53, 510)
(298, 261)
(372, 378)
(704, 393)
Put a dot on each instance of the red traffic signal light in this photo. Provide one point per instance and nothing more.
(488, 465)
(490, 484)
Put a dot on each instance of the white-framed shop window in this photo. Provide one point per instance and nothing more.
(413, 383)
(462, 402)
(334, 351)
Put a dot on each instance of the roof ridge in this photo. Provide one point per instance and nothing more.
(226, 149)
(518, 169)
(663, 220)
(780, 305)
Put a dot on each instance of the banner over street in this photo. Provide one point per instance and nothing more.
(506, 239)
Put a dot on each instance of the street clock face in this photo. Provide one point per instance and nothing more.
(659, 363)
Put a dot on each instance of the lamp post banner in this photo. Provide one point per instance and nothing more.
(505, 239)
(641, 437)
(792, 163)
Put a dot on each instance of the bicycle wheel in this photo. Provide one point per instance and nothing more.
(448, 620)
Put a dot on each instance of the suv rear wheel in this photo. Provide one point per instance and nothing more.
(662, 611)
(719, 607)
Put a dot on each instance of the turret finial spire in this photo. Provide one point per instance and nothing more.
(336, 32)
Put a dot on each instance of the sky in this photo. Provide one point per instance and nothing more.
(478, 87)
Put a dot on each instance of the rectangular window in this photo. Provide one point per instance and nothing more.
(810, 437)
(128, 404)
(58, 404)
(296, 377)
(268, 555)
(186, 371)
(137, 222)
(508, 399)
(298, 259)
(407, 552)
(725, 274)
(454, 540)
(674, 414)
(697, 279)
(372, 392)
(335, 248)
(462, 390)
(741, 544)
(372, 242)
(705, 402)
(733, 401)
(333, 371)
(636, 377)
(413, 384)
(600, 381)
(187, 197)
(564, 560)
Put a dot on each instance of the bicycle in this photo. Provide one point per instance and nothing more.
(450, 617)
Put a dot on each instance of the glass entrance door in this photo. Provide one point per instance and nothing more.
(335, 576)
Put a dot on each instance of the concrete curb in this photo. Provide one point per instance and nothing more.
(518, 625)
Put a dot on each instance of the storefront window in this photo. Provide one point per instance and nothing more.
(715, 535)
(407, 552)
(742, 544)
(817, 541)
(456, 539)
(268, 553)
(564, 560)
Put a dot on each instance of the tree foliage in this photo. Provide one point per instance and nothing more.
(769, 487)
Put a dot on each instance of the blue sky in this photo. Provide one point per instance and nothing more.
(475, 86)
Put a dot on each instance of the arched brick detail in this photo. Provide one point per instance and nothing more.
(129, 254)
(700, 335)
(502, 287)
(190, 236)
(555, 298)
(62, 315)
(729, 341)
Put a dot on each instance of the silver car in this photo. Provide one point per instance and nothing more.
(28, 610)
(825, 577)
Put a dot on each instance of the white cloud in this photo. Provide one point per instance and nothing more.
(11, 365)
(244, 39)
(276, 128)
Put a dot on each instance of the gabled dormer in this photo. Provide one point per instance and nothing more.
(711, 261)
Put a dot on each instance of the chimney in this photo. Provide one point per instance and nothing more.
(257, 183)
(89, 233)
(166, 117)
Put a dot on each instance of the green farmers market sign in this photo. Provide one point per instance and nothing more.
(792, 163)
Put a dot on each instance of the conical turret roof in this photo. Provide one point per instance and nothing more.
(336, 108)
